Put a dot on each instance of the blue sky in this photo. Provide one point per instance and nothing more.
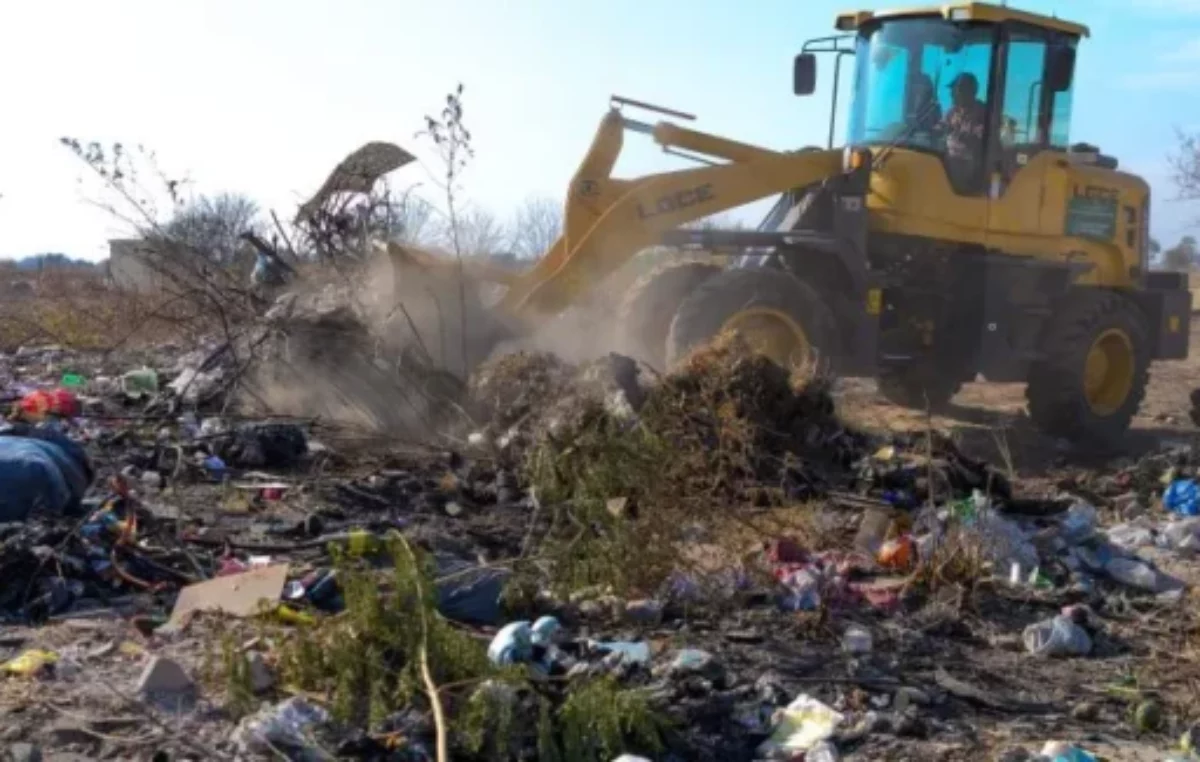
(264, 96)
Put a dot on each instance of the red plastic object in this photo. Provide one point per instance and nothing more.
(39, 404)
(897, 554)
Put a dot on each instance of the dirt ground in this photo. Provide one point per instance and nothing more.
(960, 649)
(1154, 647)
(989, 420)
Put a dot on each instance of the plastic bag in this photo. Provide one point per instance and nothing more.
(1004, 541)
(142, 382)
(1183, 534)
(1182, 497)
(513, 644)
(1130, 536)
(803, 588)
(284, 727)
(1056, 751)
(1135, 574)
(803, 725)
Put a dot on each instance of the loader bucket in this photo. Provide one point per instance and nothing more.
(357, 173)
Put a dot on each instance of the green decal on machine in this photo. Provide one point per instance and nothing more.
(1092, 214)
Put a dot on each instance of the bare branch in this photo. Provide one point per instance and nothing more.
(537, 224)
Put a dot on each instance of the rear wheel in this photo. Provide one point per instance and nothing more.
(918, 387)
(1091, 376)
(649, 306)
(777, 314)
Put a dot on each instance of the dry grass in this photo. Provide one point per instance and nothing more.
(79, 310)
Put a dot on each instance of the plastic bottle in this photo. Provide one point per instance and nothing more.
(1057, 637)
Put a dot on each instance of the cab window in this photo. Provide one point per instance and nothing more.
(905, 72)
(1031, 117)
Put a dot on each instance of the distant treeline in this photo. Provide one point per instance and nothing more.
(51, 261)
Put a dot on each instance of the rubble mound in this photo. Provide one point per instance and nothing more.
(728, 421)
(727, 402)
(507, 390)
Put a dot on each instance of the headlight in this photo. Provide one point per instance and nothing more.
(855, 158)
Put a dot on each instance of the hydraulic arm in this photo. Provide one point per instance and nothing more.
(609, 220)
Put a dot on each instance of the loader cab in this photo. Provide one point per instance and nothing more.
(982, 87)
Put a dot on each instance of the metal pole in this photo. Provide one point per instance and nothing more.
(837, 75)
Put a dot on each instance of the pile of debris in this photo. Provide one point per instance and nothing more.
(707, 565)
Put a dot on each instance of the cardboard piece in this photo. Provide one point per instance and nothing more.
(238, 595)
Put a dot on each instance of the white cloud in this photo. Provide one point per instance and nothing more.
(1160, 80)
(1188, 52)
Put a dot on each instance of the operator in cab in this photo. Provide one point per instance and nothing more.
(963, 125)
(925, 115)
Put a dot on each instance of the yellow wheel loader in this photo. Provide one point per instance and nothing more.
(958, 232)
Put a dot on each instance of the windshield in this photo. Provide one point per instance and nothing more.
(906, 73)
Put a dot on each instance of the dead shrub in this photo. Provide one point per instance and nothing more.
(729, 430)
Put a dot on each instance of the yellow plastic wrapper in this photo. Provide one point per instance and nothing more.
(30, 663)
(289, 615)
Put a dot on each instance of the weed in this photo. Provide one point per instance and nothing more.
(604, 459)
(599, 718)
(239, 690)
(365, 662)
(366, 658)
(959, 559)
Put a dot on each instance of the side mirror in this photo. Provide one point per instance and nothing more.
(804, 74)
(1061, 69)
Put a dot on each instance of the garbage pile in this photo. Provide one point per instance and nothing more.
(583, 573)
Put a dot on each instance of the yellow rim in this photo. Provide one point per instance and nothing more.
(773, 333)
(1108, 373)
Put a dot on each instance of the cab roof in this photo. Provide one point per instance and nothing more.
(847, 22)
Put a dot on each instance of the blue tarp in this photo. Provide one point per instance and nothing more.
(42, 469)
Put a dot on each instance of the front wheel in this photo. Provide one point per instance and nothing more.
(777, 314)
(650, 304)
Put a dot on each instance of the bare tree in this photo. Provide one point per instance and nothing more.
(403, 217)
(537, 224)
(1182, 256)
(1185, 165)
(478, 233)
(412, 220)
(212, 224)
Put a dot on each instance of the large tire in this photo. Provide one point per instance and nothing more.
(732, 296)
(1108, 332)
(646, 312)
(918, 387)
